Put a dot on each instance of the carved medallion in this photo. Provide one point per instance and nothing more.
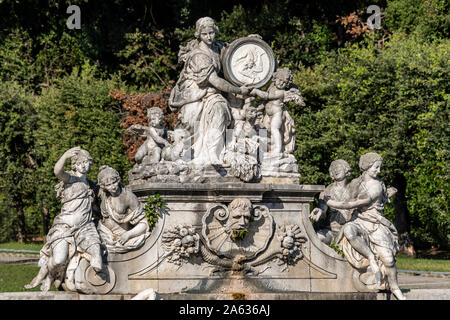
(248, 61)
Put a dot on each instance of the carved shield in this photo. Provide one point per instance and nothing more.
(248, 61)
(218, 238)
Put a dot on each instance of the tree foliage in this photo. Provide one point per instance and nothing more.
(391, 101)
(134, 108)
(17, 124)
(383, 90)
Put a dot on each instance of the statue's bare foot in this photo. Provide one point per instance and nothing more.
(37, 280)
(398, 294)
(33, 284)
(46, 284)
(57, 283)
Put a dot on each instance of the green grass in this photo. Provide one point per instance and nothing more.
(21, 246)
(407, 263)
(14, 276)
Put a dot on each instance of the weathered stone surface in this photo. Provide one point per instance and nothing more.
(237, 220)
(282, 256)
(220, 133)
(368, 240)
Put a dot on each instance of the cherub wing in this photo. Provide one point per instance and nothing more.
(295, 96)
(138, 129)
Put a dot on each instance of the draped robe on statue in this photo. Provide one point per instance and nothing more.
(204, 111)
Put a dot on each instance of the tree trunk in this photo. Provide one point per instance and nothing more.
(20, 224)
(402, 218)
(45, 219)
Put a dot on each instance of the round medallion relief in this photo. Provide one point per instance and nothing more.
(248, 61)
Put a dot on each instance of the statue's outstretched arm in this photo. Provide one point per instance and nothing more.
(268, 95)
(320, 210)
(138, 129)
(348, 205)
(225, 86)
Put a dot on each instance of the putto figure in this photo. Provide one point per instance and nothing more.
(370, 240)
(241, 153)
(330, 227)
(123, 226)
(155, 133)
(198, 93)
(277, 120)
(73, 232)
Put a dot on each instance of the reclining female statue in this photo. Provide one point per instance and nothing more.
(124, 226)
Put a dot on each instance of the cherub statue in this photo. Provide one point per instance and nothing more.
(241, 154)
(155, 133)
(330, 227)
(277, 120)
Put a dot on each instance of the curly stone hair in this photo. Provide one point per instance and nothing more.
(240, 203)
(368, 159)
(336, 164)
(81, 155)
(283, 74)
(107, 174)
(155, 110)
(203, 23)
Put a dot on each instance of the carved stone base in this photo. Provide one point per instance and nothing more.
(171, 172)
(227, 238)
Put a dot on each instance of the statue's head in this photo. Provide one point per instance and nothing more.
(371, 163)
(282, 78)
(340, 170)
(81, 162)
(251, 112)
(109, 179)
(240, 215)
(155, 116)
(206, 30)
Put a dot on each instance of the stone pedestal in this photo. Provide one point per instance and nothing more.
(191, 251)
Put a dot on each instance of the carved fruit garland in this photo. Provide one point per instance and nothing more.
(181, 242)
(291, 243)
